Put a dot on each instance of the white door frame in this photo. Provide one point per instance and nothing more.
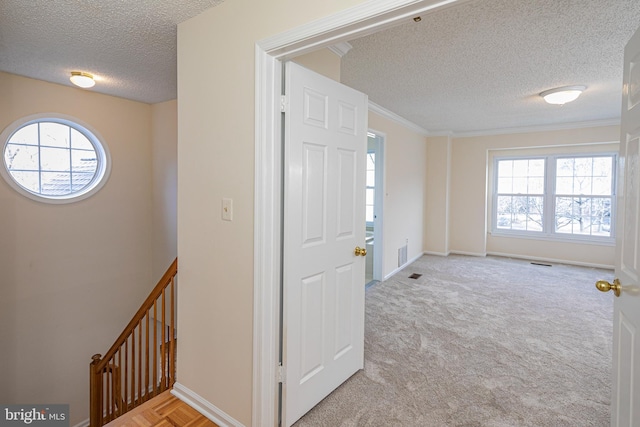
(366, 18)
(378, 208)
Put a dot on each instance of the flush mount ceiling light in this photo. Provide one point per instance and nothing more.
(562, 95)
(82, 79)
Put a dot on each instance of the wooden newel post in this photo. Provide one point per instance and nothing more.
(95, 392)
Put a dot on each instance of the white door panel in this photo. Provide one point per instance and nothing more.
(323, 289)
(625, 410)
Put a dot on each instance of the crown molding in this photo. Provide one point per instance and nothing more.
(541, 128)
(381, 111)
(340, 49)
(360, 20)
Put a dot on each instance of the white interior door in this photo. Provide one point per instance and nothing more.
(324, 221)
(626, 327)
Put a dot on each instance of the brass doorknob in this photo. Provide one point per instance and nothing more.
(605, 286)
(360, 251)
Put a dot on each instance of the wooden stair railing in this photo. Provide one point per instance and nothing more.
(141, 363)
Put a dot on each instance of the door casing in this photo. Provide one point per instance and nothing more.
(366, 18)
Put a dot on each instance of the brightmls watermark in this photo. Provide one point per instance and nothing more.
(34, 415)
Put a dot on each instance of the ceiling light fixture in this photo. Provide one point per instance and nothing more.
(562, 95)
(82, 79)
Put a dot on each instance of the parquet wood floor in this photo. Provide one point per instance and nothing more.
(164, 410)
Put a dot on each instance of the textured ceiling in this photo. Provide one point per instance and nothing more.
(129, 45)
(474, 67)
(481, 65)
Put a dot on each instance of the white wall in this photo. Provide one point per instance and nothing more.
(72, 274)
(468, 220)
(436, 219)
(405, 181)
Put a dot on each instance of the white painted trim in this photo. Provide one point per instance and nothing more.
(206, 408)
(340, 49)
(267, 240)
(552, 260)
(405, 265)
(84, 423)
(366, 18)
(444, 254)
(478, 254)
(375, 108)
(532, 129)
(363, 19)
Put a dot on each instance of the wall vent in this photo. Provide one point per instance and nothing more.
(402, 256)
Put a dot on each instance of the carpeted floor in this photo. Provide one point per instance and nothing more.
(480, 342)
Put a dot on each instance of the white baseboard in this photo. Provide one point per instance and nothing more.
(436, 253)
(480, 254)
(402, 267)
(206, 408)
(84, 423)
(552, 260)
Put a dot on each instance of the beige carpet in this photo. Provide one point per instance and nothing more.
(480, 342)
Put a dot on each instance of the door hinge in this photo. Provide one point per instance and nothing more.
(280, 374)
(284, 103)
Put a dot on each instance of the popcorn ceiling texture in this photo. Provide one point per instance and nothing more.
(481, 65)
(129, 45)
(472, 67)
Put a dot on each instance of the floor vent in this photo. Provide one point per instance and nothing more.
(542, 264)
(415, 276)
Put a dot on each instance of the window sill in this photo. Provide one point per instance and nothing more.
(601, 241)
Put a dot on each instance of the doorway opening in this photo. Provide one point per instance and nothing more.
(374, 199)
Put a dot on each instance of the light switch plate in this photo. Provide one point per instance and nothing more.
(227, 209)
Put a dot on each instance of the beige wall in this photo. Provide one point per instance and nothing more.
(72, 274)
(470, 188)
(164, 134)
(215, 160)
(321, 61)
(405, 180)
(436, 218)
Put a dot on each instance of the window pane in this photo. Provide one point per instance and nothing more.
(54, 159)
(564, 185)
(602, 186)
(78, 140)
(369, 214)
(536, 185)
(83, 161)
(505, 168)
(505, 185)
(521, 168)
(26, 135)
(564, 167)
(28, 180)
(56, 183)
(54, 135)
(371, 178)
(21, 157)
(582, 185)
(536, 167)
(504, 212)
(369, 196)
(80, 180)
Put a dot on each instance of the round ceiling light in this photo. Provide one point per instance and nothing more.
(562, 95)
(82, 79)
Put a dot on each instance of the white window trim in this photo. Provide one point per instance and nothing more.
(549, 233)
(102, 151)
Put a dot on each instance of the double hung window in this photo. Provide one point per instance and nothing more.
(556, 196)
